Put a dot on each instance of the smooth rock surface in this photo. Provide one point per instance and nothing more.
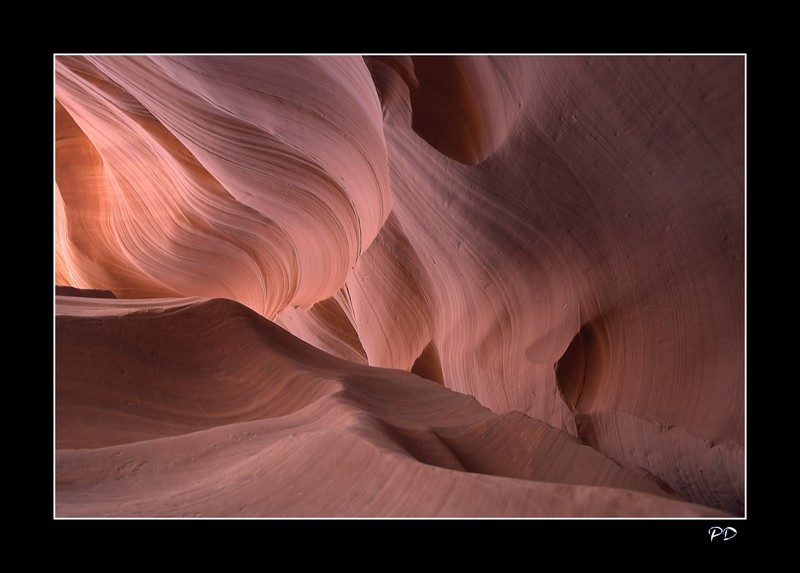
(399, 286)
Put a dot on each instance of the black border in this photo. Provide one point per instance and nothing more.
(617, 540)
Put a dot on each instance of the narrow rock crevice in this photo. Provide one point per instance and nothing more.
(445, 111)
(581, 369)
(429, 365)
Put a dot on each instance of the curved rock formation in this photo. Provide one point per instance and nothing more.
(561, 238)
(186, 407)
(261, 181)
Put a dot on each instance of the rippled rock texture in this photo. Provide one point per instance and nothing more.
(399, 286)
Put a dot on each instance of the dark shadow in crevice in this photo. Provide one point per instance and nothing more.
(445, 111)
(429, 365)
(582, 367)
(62, 290)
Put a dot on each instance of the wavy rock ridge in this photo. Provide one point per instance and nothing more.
(560, 238)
